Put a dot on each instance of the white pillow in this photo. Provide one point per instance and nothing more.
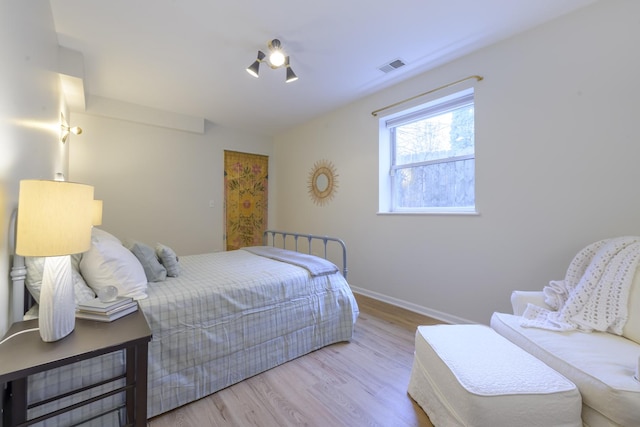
(35, 267)
(108, 263)
(99, 235)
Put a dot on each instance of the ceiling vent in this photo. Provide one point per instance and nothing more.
(393, 65)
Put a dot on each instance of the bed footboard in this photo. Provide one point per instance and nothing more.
(289, 240)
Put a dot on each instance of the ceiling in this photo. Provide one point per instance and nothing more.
(189, 56)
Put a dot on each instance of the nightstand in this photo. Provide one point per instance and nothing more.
(26, 354)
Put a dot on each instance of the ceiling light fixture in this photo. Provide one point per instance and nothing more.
(276, 59)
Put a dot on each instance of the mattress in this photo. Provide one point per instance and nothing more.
(605, 383)
(228, 316)
(467, 375)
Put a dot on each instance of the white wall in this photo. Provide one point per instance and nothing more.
(156, 183)
(556, 157)
(30, 106)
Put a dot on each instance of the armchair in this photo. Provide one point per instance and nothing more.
(602, 364)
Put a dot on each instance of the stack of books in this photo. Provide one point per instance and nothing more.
(106, 311)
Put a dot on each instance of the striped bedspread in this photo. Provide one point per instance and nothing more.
(228, 316)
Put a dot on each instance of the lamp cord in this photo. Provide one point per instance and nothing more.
(18, 333)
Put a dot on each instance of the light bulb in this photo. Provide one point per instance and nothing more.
(276, 58)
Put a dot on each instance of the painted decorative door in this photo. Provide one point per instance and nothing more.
(245, 194)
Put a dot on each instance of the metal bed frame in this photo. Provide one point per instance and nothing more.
(270, 236)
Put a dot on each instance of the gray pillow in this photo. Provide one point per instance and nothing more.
(169, 259)
(154, 271)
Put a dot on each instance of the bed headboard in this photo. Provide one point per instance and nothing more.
(20, 297)
(290, 240)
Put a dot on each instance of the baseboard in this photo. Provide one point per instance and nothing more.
(425, 311)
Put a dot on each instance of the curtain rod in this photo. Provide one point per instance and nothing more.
(375, 113)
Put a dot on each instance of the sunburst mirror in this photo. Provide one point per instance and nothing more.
(322, 182)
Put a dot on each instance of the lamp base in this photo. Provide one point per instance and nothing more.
(57, 312)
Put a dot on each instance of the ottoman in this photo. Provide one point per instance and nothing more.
(469, 375)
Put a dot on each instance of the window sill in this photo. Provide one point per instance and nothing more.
(447, 213)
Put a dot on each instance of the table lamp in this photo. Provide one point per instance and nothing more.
(97, 213)
(54, 221)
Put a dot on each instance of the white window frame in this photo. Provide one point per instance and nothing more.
(386, 162)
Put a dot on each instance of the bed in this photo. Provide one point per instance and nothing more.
(226, 317)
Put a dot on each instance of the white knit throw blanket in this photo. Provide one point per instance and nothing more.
(594, 293)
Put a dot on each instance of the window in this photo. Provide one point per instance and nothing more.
(430, 165)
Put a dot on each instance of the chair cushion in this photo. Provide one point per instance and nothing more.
(631, 329)
(601, 364)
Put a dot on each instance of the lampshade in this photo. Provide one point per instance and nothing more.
(97, 212)
(54, 218)
(291, 76)
(254, 68)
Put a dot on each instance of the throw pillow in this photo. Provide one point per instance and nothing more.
(169, 259)
(154, 271)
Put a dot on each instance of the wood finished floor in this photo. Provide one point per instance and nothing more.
(360, 383)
